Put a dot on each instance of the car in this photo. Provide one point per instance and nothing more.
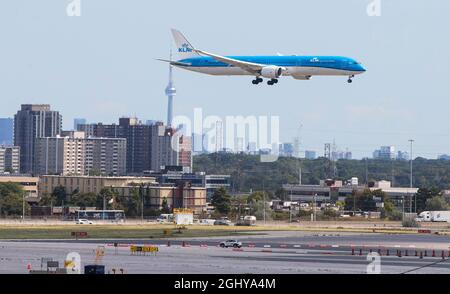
(222, 222)
(231, 243)
(83, 221)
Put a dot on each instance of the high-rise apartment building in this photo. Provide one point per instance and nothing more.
(149, 147)
(9, 159)
(34, 121)
(75, 154)
(6, 131)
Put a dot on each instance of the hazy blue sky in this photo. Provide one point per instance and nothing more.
(102, 65)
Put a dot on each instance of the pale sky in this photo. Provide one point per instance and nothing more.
(101, 65)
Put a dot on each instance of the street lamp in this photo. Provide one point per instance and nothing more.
(411, 141)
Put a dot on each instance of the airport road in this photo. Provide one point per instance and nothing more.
(275, 252)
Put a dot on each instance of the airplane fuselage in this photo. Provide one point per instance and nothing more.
(296, 66)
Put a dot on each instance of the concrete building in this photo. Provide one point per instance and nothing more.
(185, 153)
(31, 122)
(76, 155)
(6, 131)
(330, 191)
(29, 184)
(177, 195)
(9, 159)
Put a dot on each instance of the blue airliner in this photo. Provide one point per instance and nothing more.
(269, 67)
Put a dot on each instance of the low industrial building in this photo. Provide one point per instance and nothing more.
(29, 184)
(176, 195)
(175, 175)
(330, 191)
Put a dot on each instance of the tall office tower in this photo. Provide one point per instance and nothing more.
(170, 92)
(185, 153)
(31, 122)
(164, 147)
(6, 131)
(76, 155)
(77, 122)
(9, 159)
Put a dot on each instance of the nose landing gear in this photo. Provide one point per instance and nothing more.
(350, 79)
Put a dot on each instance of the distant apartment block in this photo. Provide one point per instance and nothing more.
(6, 131)
(402, 155)
(385, 152)
(310, 154)
(9, 159)
(34, 121)
(149, 146)
(76, 155)
(444, 157)
(77, 122)
(287, 149)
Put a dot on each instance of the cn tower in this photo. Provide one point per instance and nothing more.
(170, 92)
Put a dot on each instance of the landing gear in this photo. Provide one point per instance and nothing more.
(256, 81)
(350, 79)
(272, 82)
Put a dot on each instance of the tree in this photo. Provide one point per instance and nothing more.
(11, 199)
(165, 206)
(60, 194)
(423, 195)
(221, 201)
(84, 200)
(110, 198)
(281, 194)
(436, 203)
(360, 201)
(47, 200)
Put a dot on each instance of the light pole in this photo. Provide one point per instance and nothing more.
(23, 207)
(411, 141)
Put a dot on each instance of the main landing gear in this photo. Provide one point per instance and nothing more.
(272, 82)
(350, 79)
(256, 81)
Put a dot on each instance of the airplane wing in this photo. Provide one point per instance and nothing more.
(252, 68)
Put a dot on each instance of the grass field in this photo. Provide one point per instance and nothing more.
(158, 231)
(117, 232)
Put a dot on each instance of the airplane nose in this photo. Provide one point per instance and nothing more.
(361, 68)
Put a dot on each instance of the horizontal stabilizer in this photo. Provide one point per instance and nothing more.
(176, 63)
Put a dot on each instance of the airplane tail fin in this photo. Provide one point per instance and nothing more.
(184, 48)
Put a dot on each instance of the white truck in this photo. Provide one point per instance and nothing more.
(434, 216)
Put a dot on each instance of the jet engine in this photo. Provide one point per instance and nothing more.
(272, 72)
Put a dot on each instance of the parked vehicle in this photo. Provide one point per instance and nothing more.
(83, 221)
(165, 218)
(248, 220)
(222, 222)
(231, 243)
(434, 216)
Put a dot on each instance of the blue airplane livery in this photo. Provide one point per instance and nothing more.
(269, 67)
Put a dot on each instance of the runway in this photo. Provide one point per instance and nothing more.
(274, 253)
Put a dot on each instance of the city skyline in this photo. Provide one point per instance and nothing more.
(380, 108)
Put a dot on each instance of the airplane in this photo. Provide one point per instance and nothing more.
(269, 67)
